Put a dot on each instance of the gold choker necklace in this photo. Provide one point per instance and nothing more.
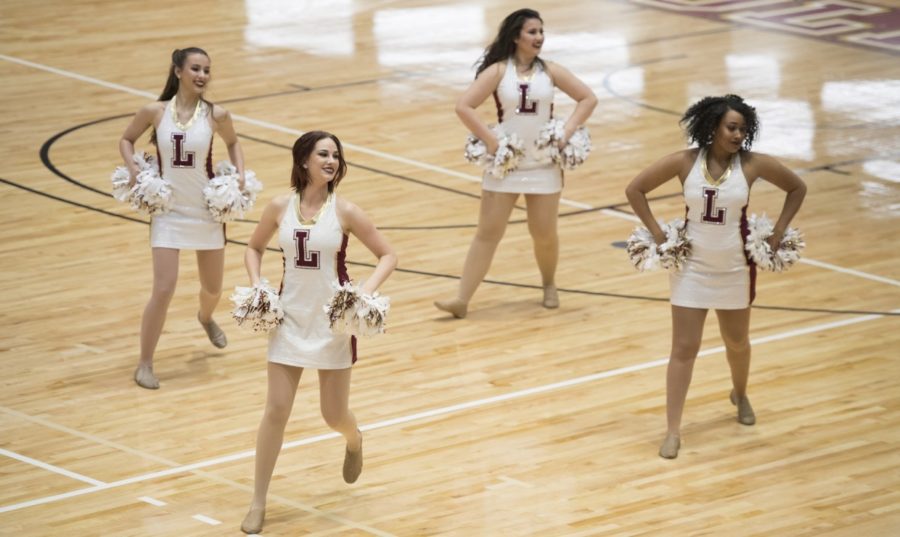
(190, 122)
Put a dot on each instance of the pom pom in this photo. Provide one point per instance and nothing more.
(355, 313)
(510, 151)
(573, 154)
(757, 246)
(224, 197)
(645, 254)
(341, 305)
(371, 314)
(677, 248)
(259, 305)
(121, 191)
(642, 250)
(151, 194)
(120, 188)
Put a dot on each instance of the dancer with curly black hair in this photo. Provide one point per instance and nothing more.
(716, 178)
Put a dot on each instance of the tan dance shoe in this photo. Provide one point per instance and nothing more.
(551, 297)
(145, 378)
(214, 333)
(455, 307)
(745, 413)
(253, 522)
(670, 446)
(353, 463)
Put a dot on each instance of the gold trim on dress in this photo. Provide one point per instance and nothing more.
(531, 71)
(311, 221)
(709, 178)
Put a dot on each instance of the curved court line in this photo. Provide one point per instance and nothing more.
(381, 154)
(48, 163)
(437, 412)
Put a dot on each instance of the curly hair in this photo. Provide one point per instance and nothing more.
(701, 120)
(303, 148)
(504, 44)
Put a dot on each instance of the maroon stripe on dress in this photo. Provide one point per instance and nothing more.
(499, 107)
(752, 283)
(551, 110)
(745, 232)
(283, 272)
(343, 277)
(209, 170)
(341, 261)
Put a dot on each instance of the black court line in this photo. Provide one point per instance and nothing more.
(452, 277)
(372, 169)
(72, 202)
(607, 85)
(45, 159)
(45, 153)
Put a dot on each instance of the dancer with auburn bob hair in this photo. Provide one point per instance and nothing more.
(313, 226)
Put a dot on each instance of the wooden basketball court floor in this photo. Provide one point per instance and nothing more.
(517, 420)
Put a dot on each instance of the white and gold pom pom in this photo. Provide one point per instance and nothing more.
(259, 306)
(120, 178)
(476, 151)
(757, 245)
(151, 194)
(573, 154)
(677, 249)
(642, 250)
(121, 190)
(645, 254)
(339, 308)
(371, 314)
(510, 151)
(224, 197)
(351, 312)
